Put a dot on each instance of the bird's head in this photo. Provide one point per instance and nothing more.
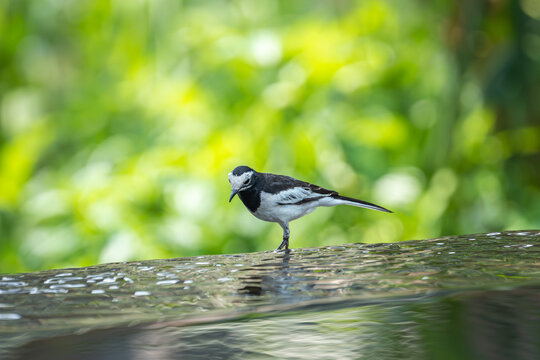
(241, 178)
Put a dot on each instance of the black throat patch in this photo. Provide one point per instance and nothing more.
(251, 198)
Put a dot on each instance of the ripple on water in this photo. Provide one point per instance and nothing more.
(64, 274)
(167, 282)
(108, 280)
(10, 316)
(67, 286)
(145, 268)
(63, 280)
(13, 283)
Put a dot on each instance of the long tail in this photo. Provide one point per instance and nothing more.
(355, 202)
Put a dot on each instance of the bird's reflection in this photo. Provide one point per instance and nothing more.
(273, 276)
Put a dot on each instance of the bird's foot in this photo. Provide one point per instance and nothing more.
(284, 244)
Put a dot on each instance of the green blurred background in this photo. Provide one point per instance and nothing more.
(120, 120)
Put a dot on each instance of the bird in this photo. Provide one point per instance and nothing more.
(281, 199)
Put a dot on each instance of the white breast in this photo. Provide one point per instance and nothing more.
(281, 207)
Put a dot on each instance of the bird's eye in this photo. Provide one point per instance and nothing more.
(246, 181)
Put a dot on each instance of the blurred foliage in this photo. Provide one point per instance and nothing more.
(120, 120)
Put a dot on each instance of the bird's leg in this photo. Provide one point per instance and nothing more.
(285, 242)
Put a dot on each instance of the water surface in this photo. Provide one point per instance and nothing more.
(474, 296)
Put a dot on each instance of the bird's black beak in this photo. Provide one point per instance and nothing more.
(232, 194)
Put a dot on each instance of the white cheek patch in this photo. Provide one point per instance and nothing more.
(238, 181)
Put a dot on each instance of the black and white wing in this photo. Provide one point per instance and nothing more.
(290, 191)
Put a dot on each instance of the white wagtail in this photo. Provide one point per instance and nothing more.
(281, 199)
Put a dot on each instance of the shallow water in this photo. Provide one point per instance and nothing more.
(474, 296)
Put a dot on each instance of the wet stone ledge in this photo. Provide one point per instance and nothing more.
(225, 289)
